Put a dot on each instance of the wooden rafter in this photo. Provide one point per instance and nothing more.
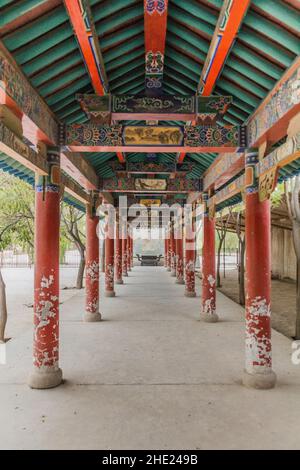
(230, 19)
(229, 22)
(85, 32)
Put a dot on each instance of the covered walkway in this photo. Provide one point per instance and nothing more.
(150, 375)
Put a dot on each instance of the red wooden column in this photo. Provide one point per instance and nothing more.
(118, 254)
(169, 248)
(46, 372)
(258, 370)
(110, 256)
(208, 267)
(131, 251)
(92, 267)
(172, 251)
(129, 241)
(166, 250)
(179, 250)
(189, 253)
(124, 250)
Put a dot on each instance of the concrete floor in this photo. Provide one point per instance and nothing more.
(150, 376)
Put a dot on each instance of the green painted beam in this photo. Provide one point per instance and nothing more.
(18, 9)
(280, 11)
(35, 29)
(48, 58)
(57, 68)
(42, 45)
(73, 88)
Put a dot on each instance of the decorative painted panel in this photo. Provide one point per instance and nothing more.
(97, 108)
(281, 102)
(14, 84)
(152, 135)
(230, 190)
(151, 167)
(125, 184)
(13, 146)
(155, 21)
(185, 107)
(214, 136)
(92, 135)
(173, 104)
(223, 164)
(291, 148)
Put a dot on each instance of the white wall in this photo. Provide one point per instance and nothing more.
(283, 254)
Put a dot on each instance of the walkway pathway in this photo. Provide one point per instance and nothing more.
(149, 376)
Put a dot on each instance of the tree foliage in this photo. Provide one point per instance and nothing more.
(16, 213)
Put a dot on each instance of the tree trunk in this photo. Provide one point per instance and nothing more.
(242, 273)
(296, 240)
(80, 273)
(3, 310)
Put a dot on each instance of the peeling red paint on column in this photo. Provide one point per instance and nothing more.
(172, 252)
(179, 258)
(124, 254)
(208, 267)
(118, 256)
(92, 265)
(190, 263)
(166, 252)
(109, 264)
(46, 371)
(46, 279)
(258, 285)
(258, 366)
(129, 252)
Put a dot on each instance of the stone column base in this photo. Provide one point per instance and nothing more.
(188, 293)
(91, 317)
(209, 317)
(125, 274)
(179, 281)
(259, 381)
(119, 281)
(173, 273)
(109, 293)
(45, 379)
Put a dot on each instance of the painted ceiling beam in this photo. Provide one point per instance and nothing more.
(224, 167)
(81, 18)
(150, 186)
(85, 33)
(13, 146)
(33, 115)
(229, 22)
(78, 167)
(155, 25)
(92, 137)
(104, 109)
(269, 123)
(267, 171)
